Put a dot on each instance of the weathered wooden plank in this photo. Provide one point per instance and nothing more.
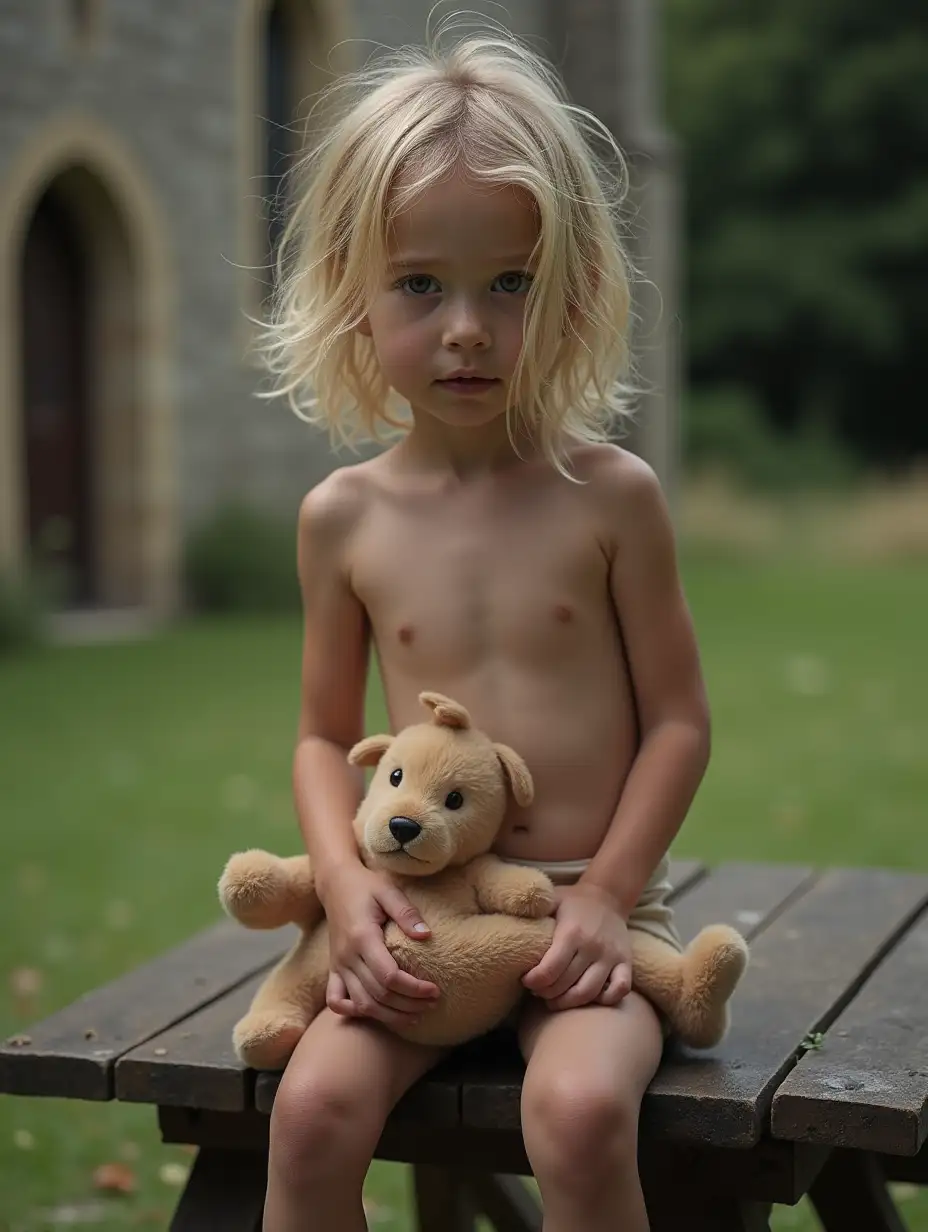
(684, 874)
(73, 1053)
(804, 969)
(769, 1172)
(911, 1169)
(220, 1131)
(225, 1193)
(491, 1092)
(193, 1064)
(867, 1086)
(749, 897)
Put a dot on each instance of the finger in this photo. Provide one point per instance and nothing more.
(383, 967)
(576, 968)
(366, 1007)
(357, 1000)
(405, 1004)
(402, 912)
(586, 990)
(336, 996)
(552, 966)
(618, 986)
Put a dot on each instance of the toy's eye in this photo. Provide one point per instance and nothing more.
(396, 776)
(454, 800)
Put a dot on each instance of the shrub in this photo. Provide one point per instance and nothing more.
(725, 429)
(240, 560)
(24, 605)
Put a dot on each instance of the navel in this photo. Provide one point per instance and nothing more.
(406, 634)
(563, 614)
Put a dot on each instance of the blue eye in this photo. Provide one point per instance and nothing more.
(419, 284)
(513, 282)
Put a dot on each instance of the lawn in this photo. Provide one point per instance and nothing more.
(129, 772)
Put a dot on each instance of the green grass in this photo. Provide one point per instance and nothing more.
(129, 772)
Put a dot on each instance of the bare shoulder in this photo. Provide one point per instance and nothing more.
(333, 509)
(624, 489)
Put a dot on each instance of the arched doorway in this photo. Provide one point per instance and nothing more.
(86, 296)
(55, 304)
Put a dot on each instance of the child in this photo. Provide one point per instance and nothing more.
(456, 248)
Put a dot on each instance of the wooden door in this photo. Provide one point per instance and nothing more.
(55, 310)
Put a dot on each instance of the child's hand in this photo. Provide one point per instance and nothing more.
(590, 958)
(365, 980)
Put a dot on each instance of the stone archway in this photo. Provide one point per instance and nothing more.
(75, 203)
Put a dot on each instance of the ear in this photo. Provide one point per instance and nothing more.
(368, 752)
(520, 780)
(445, 712)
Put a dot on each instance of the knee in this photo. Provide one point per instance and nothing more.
(577, 1131)
(322, 1124)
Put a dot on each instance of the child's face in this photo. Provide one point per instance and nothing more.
(452, 300)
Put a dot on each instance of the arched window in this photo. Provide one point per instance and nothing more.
(280, 104)
(287, 51)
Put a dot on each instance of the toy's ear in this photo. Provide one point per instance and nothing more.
(445, 712)
(368, 752)
(520, 780)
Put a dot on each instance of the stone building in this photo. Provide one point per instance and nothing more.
(139, 140)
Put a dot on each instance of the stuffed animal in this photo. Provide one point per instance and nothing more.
(429, 818)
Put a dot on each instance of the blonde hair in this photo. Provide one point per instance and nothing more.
(491, 107)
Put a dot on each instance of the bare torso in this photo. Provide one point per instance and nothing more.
(496, 592)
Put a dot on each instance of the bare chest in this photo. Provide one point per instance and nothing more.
(450, 590)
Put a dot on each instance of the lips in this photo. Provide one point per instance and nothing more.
(471, 383)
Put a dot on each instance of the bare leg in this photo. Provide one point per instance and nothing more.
(587, 1072)
(340, 1086)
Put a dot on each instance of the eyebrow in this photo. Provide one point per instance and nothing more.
(420, 259)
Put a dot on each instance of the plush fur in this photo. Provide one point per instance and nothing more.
(490, 921)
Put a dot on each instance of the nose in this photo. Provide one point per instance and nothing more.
(465, 327)
(404, 829)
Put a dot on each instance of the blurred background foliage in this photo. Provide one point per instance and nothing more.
(806, 214)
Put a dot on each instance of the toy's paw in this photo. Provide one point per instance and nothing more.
(714, 963)
(265, 1040)
(535, 900)
(251, 888)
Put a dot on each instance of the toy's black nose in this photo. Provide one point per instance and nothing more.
(403, 829)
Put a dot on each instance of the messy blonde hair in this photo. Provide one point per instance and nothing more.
(491, 107)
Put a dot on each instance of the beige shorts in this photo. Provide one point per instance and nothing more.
(652, 913)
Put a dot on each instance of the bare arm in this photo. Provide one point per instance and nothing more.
(673, 711)
(327, 790)
(365, 978)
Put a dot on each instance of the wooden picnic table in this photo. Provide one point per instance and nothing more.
(821, 1086)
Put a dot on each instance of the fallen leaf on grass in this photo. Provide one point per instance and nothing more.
(26, 984)
(114, 1178)
(173, 1174)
